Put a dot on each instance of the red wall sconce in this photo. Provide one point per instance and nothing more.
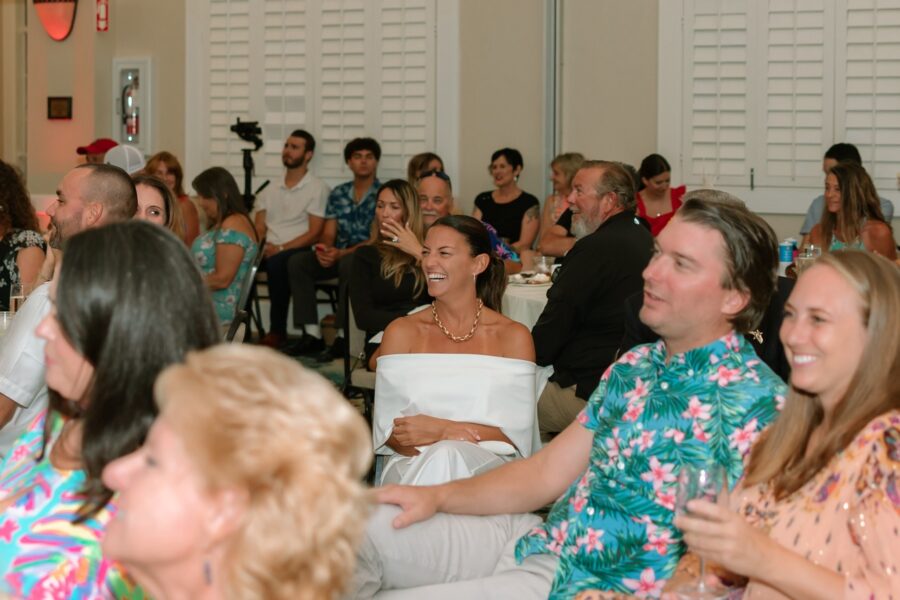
(57, 17)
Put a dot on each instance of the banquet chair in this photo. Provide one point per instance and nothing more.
(239, 330)
(357, 378)
(244, 313)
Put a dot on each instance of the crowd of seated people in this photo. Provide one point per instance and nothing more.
(667, 336)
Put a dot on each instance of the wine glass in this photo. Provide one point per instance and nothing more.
(704, 482)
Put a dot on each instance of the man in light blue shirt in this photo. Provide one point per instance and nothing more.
(837, 153)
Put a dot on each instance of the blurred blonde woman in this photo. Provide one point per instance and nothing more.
(555, 238)
(249, 485)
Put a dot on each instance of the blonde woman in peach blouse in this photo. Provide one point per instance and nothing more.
(819, 508)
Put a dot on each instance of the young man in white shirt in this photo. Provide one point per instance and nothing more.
(291, 218)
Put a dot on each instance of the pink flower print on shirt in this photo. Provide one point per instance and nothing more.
(646, 586)
(676, 435)
(666, 499)
(658, 474)
(723, 376)
(644, 442)
(639, 392)
(744, 437)
(612, 448)
(591, 541)
(582, 418)
(658, 540)
(697, 410)
(559, 538)
(779, 402)
(699, 434)
(578, 503)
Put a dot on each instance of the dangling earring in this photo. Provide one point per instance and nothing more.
(207, 572)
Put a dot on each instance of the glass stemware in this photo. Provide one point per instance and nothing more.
(704, 482)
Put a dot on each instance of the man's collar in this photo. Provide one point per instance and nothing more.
(730, 343)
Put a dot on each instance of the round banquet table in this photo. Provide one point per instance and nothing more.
(524, 303)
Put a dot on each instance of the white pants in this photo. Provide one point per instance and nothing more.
(441, 462)
(450, 556)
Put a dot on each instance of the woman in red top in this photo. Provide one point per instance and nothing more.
(657, 201)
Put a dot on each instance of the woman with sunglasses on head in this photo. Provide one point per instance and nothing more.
(818, 510)
(385, 281)
(108, 335)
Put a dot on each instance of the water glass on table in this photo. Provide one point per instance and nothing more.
(806, 257)
(700, 482)
(18, 292)
(543, 264)
(5, 320)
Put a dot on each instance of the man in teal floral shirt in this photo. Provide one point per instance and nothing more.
(699, 394)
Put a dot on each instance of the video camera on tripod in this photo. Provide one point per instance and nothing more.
(249, 131)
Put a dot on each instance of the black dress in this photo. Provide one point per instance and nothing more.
(12, 242)
(506, 218)
(376, 301)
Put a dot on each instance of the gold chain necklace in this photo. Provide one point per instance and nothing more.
(453, 338)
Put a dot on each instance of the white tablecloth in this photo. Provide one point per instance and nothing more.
(524, 303)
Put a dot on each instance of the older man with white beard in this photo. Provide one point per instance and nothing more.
(583, 322)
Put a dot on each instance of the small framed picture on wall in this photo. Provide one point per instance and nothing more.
(59, 107)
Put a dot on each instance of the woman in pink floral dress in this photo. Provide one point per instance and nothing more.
(819, 508)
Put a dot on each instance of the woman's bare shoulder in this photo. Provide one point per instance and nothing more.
(238, 222)
(400, 334)
(515, 339)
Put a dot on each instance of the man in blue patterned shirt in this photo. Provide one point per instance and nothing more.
(698, 395)
(348, 223)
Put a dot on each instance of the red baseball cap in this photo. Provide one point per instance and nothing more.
(98, 146)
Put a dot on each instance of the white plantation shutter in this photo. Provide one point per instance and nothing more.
(767, 86)
(716, 102)
(285, 78)
(344, 91)
(407, 91)
(338, 68)
(798, 76)
(229, 79)
(868, 88)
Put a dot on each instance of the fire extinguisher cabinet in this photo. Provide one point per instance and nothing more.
(132, 102)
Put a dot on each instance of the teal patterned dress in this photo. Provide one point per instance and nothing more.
(613, 529)
(204, 250)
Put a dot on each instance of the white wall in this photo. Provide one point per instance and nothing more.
(609, 59)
